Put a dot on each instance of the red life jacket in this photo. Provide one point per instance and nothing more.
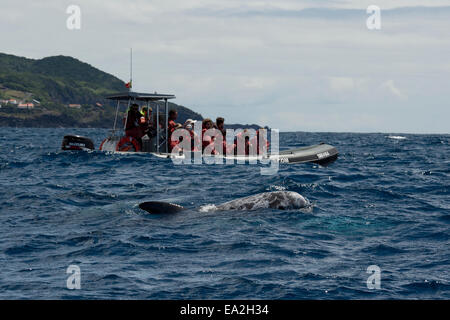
(230, 148)
(195, 141)
(255, 143)
(238, 142)
(171, 127)
(207, 140)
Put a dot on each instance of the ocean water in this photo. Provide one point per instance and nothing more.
(384, 202)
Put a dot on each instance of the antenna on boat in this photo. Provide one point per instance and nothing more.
(131, 69)
(129, 85)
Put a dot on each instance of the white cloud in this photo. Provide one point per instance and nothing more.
(390, 86)
(251, 60)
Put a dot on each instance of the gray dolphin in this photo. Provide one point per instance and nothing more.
(282, 200)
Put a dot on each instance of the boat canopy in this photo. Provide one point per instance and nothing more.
(162, 134)
(130, 95)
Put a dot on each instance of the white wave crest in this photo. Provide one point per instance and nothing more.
(397, 137)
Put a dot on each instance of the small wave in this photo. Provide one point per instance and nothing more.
(426, 286)
(445, 218)
(383, 250)
(397, 137)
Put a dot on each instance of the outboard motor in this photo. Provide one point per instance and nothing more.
(72, 142)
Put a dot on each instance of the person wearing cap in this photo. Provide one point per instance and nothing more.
(195, 139)
(188, 124)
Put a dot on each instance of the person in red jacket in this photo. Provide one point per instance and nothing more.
(220, 125)
(132, 127)
(207, 139)
(255, 141)
(195, 139)
(173, 115)
(242, 138)
(225, 147)
(171, 127)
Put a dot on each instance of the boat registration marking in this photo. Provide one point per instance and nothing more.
(323, 155)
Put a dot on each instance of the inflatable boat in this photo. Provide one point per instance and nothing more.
(158, 145)
(321, 153)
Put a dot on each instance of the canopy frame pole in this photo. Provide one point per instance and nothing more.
(126, 115)
(167, 124)
(157, 128)
(115, 119)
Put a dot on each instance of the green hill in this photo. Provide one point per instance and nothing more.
(56, 82)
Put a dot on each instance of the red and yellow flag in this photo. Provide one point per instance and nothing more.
(128, 85)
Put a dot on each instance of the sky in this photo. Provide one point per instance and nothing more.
(292, 65)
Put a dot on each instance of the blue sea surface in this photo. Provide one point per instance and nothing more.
(384, 202)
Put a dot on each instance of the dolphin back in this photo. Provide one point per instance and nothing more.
(158, 207)
(282, 200)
